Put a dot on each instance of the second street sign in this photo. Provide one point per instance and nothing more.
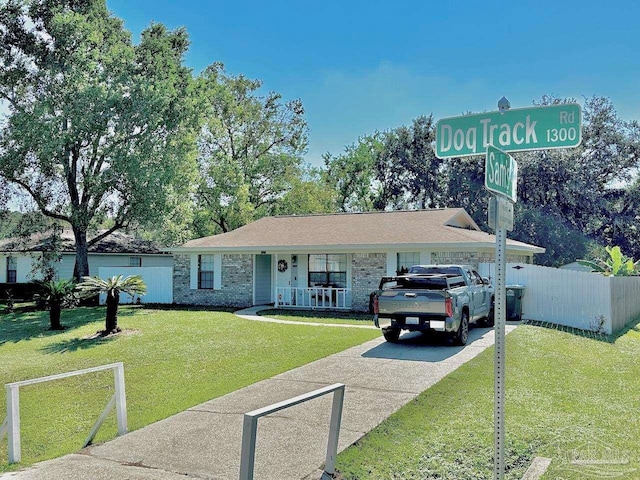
(501, 173)
(516, 130)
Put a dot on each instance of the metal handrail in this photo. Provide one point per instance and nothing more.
(250, 427)
(11, 424)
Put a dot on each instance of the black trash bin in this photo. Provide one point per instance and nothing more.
(514, 302)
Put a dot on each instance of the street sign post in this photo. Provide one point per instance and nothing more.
(501, 218)
(499, 367)
(501, 173)
(517, 130)
(537, 128)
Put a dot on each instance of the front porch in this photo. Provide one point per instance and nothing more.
(304, 280)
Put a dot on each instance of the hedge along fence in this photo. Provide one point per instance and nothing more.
(587, 301)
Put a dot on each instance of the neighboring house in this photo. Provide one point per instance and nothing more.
(326, 261)
(19, 258)
(576, 267)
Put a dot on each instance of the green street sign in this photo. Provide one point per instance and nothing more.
(501, 173)
(516, 130)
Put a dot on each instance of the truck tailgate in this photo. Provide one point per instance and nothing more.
(427, 302)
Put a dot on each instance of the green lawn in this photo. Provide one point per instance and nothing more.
(173, 359)
(570, 398)
(312, 316)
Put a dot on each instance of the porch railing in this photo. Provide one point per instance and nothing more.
(314, 297)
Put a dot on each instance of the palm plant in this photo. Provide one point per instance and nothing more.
(616, 265)
(112, 287)
(57, 294)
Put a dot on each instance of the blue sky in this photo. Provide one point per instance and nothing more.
(362, 66)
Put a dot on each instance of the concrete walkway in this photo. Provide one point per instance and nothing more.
(252, 314)
(204, 441)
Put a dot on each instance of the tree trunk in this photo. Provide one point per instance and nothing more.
(81, 268)
(55, 309)
(112, 313)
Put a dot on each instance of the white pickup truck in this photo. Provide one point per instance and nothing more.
(433, 298)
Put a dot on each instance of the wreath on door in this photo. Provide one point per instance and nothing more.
(282, 265)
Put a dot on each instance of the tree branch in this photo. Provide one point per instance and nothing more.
(116, 226)
(271, 145)
(11, 101)
(221, 223)
(219, 145)
(39, 201)
(231, 143)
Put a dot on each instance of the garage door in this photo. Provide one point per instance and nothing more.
(159, 281)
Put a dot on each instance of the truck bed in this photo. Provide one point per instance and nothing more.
(403, 302)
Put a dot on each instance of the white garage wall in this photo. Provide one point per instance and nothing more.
(159, 281)
(68, 261)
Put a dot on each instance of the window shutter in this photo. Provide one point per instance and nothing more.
(193, 277)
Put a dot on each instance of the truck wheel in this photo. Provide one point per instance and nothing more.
(391, 334)
(462, 335)
(489, 320)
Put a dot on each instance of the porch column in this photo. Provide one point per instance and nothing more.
(275, 279)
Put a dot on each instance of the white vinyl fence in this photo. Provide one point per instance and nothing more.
(587, 301)
(159, 281)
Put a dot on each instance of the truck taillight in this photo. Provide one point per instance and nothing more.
(376, 306)
(448, 306)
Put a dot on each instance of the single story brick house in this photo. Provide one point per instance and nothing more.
(329, 261)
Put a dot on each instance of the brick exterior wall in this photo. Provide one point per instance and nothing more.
(366, 271)
(237, 283)
(473, 258)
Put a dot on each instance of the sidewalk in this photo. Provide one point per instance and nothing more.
(204, 441)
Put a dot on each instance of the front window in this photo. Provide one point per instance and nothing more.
(328, 270)
(407, 260)
(135, 261)
(205, 272)
(12, 276)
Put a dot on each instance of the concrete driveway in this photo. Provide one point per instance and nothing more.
(204, 441)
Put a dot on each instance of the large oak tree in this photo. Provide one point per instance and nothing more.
(97, 127)
(250, 149)
(389, 170)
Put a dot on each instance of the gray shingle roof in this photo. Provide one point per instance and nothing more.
(116, 242)
(451, 226)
